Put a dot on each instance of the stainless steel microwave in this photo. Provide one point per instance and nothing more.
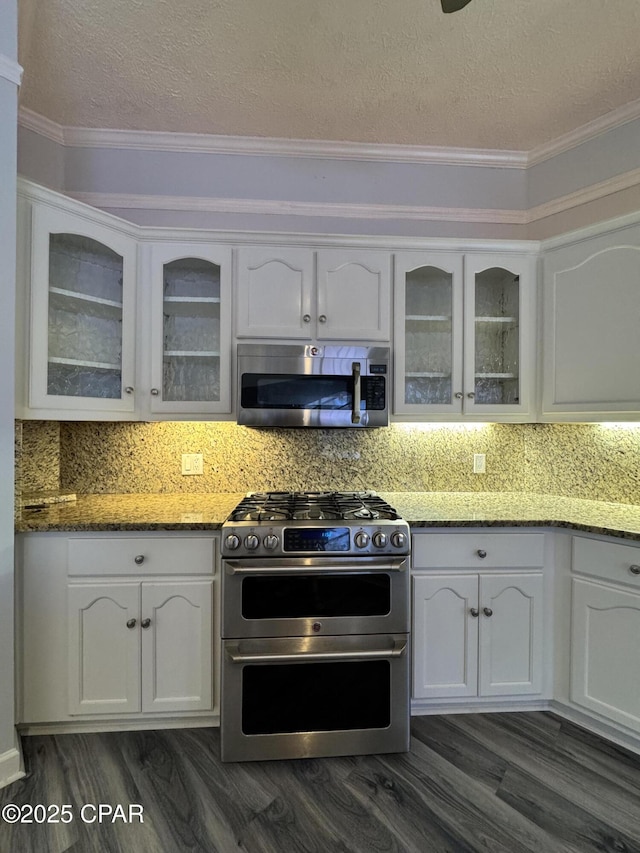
(298, 385)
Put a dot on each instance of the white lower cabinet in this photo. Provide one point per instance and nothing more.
(478, 614)
(605, 631)
(140, 647)
(477, 635)
(116, 627)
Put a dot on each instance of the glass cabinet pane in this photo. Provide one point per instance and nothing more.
(428, 336)
(497, 337)
(191, 330)
(85, 318)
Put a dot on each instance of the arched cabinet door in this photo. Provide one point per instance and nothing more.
(510, 620)
(275, 292)
(177, 646)
(591, 314)
(104, 648)
(82, 315)
(189, 356)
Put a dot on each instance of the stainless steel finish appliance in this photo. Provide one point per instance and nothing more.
(315, 625)
(313, 385)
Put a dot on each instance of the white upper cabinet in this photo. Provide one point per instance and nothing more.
(591, 304)
(464, 331)
(190, 287)
(288, 293)
(82, 315)
(354, 295)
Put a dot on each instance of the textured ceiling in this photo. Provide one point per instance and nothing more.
(506, 74)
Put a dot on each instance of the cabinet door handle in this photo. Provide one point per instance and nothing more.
(306, 318)
(139, 560)
(322, 318)
(471, 395)
(481, 553)
(131, 623)
(155, 392)
(635, 570)
(128, 389)
(458, 395)
(474, 612)
(145, 623)
(486, 610)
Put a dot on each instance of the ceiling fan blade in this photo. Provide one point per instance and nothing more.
(453, 5)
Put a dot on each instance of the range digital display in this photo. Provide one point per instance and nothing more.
(298, 539)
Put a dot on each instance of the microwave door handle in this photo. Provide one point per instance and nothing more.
(355, 411)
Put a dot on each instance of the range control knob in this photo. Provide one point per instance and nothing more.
(379, 539)
(361, 539)
(251, 542)
(232, 541)
(398, 539)
(270, 541)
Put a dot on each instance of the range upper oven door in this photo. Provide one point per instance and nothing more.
(312, 386)
(317, 596)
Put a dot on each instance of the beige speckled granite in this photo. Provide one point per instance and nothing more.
(572, 460)
(426, 509)
(132, 512)
(488, 509)
(100, 457)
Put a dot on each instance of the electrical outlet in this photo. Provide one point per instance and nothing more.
(192, 463)
(479, 463)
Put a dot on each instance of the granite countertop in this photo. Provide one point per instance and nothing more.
(420, 509)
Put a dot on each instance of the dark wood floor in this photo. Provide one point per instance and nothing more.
(495, 783)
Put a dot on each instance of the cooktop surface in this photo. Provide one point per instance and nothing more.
(289, 506)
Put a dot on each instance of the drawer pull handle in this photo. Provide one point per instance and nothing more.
(487, 611)
(139, 560)
(635, 570)
(474, 612)
(145, 623)
(481, 553)
(131, 623)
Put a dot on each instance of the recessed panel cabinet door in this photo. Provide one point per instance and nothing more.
(104, 648)
(354, 295)
(177, 646)
(510, 660)
(591, 320)
(605, 656)
(274, 292)
(445, 636)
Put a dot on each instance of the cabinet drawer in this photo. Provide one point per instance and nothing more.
(129, 555)
(464, 550)
(607, 560)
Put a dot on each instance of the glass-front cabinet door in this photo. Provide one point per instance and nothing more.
(463, 335)
(428, 334)
(191, 327)
(82, 315)
(498, 362)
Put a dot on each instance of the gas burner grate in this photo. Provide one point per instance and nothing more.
(286, 506)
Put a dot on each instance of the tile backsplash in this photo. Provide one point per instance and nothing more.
(578, 460)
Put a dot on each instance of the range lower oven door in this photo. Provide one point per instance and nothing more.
(294, 597)
(302, 697)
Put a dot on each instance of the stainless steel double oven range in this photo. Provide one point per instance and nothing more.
(315, 625)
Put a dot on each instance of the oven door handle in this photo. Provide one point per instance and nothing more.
(396, 650)
(357, 396)
(359, 566)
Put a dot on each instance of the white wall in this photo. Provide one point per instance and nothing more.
(9, 76)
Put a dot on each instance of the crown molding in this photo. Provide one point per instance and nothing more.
(149, 140)
(125, 201)
(10, 70)
(333, 210)
(41, 125)
(616, 118)
(625, 181)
